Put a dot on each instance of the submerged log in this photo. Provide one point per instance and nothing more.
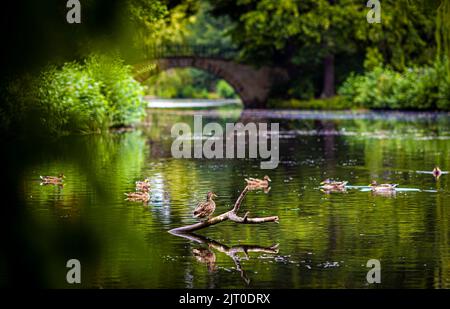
(231, 215)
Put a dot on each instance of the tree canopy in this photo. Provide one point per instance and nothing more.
(295, 34)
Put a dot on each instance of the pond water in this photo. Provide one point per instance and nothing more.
(322, 240)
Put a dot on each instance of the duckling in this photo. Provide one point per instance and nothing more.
(206, 209)
(52, 180)
(258, 182)
(437, 172)
(143, 185)
(385, 187)
(141, 196)
(330, 185)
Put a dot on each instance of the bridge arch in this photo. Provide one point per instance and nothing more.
(252, 85)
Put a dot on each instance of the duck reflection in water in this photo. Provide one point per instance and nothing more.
(208, 257)
(392, 193)
(254, 184)
(331, 186)
(334, 190)
(205, 256)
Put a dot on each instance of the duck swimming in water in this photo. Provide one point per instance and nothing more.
(143, 185)
(255, 182)
(385, 187)
(331, 185)
(437, 172)
(206, 209)
(52, 180)
(141, 196)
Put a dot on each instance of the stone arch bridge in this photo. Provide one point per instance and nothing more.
(253, 85)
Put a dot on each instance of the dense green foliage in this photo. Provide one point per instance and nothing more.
(123, 94)
(72, 94)
(319, 43)
(422, 88)
(77, 97)
(188, 83)
(200, 28)
(35, 33)
(224, 90)
(69, 99)
(301, 35)
(334, 103)
(442, 29)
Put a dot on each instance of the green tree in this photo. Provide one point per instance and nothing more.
(297, 34)
(191, 23)
(443, 30)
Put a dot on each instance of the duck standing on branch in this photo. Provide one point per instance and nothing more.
(255, 182)
(206, 209)
(385, 187)
(331, 185)
(52, 180)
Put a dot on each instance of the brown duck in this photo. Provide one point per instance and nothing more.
(331, 185)
(206, 209)
(143, 185)
(142, 196)
(255, 182)
(384, 187)
(52, 180)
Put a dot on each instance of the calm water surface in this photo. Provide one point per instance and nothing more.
(322, 240)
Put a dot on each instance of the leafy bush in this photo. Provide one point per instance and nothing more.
(224, 90)
(188, 83)
(76, 97)
(421, 88)
(122, 92)
(71, 100)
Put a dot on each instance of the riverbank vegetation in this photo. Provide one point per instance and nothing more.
(330, 48)
(334, 103)
(192, 24)
(62, 78)
(417, 88)
(188, 83)
(335, 58)
(77, 97)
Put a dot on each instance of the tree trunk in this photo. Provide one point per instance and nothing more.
(328, 77)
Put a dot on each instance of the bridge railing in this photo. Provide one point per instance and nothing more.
(186, 50)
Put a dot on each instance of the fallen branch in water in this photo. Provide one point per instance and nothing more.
(231, 215)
